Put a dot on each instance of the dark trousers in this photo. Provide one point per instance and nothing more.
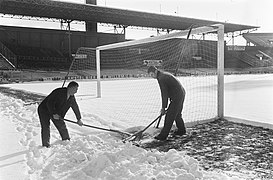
(45, 127)
(173, 114)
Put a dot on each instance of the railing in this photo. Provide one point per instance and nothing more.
(8, 54)
(44, 63)
(43, 59)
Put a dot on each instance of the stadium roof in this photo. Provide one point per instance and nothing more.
(260, 39)
(94, 13)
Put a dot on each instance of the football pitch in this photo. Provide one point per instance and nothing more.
(123, 105)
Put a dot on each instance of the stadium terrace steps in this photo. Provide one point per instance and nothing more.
(249, 58)
(4, 65)
(38, 58)
(34, 51)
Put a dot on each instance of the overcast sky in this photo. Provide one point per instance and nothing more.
(247, 12)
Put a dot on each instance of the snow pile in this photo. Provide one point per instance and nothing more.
(95, 156)
(103, 157)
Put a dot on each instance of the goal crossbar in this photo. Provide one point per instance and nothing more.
(198, 30)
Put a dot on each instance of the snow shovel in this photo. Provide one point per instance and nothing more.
(104, 129)
(159, 119)
(138, 135)
(158, 122)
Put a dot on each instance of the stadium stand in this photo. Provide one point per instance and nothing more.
(7, 58)
(4, 64)
(44, 49)
(194, 56)
(246, 59)
(233, 60)
(259, 39)
(38, 58)
(259, 55)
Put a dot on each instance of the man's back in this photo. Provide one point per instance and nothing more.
(170, 86)
(57, 95)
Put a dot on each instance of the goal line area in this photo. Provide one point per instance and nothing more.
(120, 74)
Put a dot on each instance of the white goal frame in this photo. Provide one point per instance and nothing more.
(218, 28)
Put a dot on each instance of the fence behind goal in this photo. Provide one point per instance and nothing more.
(132, 96)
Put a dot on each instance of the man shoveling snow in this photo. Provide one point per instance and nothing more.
(54, 107)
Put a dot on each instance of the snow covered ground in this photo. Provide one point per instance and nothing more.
(249, 97)
(94, 154)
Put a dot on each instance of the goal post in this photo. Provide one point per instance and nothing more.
(98, 73)
(120, 73)
(220, 71)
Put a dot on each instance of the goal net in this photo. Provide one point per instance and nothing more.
(118, 74)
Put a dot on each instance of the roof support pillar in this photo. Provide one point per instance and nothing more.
(91, 26)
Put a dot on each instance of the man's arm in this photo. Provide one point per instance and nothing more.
(76, 110)
(51, 101)
(164, 94)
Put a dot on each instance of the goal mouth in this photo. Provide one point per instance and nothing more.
(119, 74)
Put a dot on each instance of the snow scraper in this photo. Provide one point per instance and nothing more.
(104, 129)
(138, 135)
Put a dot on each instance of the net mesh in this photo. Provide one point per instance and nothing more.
(133, 96)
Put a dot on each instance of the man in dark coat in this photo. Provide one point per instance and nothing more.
(171, 89)
(54, 107)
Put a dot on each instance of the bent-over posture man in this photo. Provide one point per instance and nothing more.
(54, 107)
(171, 89)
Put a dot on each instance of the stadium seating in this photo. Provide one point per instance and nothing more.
(251, 56)
(197, 54)
(4, 65)
(168, 51)
(233, 60)
(259, 39)
(38, 58)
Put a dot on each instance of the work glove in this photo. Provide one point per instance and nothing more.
(56, 116)
(163, 111)
(79, 122)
